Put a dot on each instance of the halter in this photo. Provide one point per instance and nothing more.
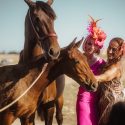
(38, 36)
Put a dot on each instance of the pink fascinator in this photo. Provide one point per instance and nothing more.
(96, 33)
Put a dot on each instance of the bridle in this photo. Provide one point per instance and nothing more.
(37, 34)
(41, 39)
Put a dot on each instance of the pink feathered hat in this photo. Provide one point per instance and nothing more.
(96, 33)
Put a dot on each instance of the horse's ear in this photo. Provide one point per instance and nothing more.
(79, 43)
(49, 2)
(72, 44)
(67, 48)
(30, 3)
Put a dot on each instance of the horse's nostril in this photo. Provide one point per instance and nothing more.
(94, 86)
(54, 54)
(51, 52)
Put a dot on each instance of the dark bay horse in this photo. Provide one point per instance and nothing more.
(40, 37)
(17, 78)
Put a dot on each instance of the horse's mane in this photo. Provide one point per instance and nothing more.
(47, 9)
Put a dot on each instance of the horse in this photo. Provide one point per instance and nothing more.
(40, 36)
(17, 78)
(36, 25)
(52, 98)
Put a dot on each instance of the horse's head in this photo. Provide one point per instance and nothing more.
(74, 64)
(41, 21)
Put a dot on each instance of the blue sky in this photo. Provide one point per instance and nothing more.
(72, 20)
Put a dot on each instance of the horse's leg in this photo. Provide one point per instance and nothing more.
(60, 84)
(59, 106)
(6, 118)
(28, 121)
(49, 112)
(46, 108)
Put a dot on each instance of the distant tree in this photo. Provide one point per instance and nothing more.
(2, 52)
(13, 52)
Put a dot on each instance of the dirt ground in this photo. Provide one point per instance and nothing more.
(70, 95)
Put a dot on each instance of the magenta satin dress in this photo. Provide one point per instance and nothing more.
(86, 106)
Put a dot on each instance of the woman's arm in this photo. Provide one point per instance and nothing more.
(112, 72)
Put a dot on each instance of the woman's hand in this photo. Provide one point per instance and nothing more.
(118, 89)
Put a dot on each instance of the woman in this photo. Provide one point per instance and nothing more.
(110, 80)
(86, 106)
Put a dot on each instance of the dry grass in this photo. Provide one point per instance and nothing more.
(12, 57)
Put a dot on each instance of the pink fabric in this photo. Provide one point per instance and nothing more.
(86, 106)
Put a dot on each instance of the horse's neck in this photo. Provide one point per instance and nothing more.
(31, 47)
(50, 74)
(29, 53)
(37, 51)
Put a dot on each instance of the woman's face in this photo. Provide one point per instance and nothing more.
(89, 47)
(113, 51)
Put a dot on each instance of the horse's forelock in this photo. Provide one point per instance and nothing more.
(46, 8)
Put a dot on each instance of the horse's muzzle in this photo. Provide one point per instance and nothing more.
(53, 54)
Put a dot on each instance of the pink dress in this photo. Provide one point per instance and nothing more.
(86, 106)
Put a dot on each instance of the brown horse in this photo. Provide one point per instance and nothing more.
(40, 36)
(36, 25)
(16, 79)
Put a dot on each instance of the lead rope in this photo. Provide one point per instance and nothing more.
(12, 103)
